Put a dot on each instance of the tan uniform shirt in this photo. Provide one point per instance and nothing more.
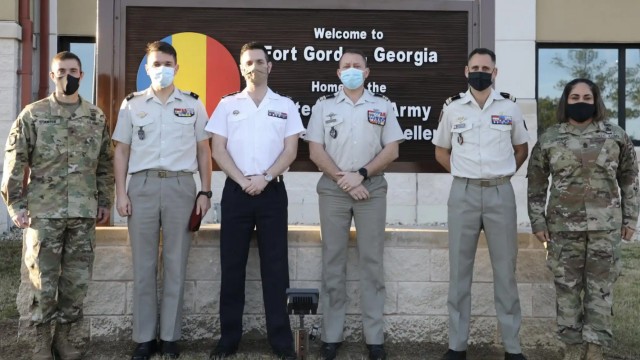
(162, 136)
(353, 134)
(481, 140)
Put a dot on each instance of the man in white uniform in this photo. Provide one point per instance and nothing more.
(255, 139)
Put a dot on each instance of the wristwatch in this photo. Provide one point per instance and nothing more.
(268, 177)
(363, 171)
(208, 194)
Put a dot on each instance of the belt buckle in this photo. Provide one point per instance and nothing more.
(162, 174)
(485, 183)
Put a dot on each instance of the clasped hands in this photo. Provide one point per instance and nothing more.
(351, 182)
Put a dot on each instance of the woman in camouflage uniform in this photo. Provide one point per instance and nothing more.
(589, 159)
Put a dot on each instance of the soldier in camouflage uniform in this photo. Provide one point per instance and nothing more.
(588, 159)
(64, 141)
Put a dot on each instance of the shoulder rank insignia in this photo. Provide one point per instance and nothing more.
(382, 96)
(285, 96)
(453, 98)
(506, 95)
(328, 96)
(190, 93)
(130, 96)
(231, 94)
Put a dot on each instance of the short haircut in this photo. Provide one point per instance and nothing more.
(601, 111)
(254, 45)
(163, 47)
(354, 51)
(482, 51)
(66, 55)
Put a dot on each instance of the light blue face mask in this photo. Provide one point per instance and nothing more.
(161, 76)
(352, 78)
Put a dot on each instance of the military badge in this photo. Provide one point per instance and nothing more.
(184, 112)
(140, 133)
(236, 112)
(331, 117)
(501, 120)
(459, 126)
(377, 117)
(141, 114)
(333, 132)
(277, 114)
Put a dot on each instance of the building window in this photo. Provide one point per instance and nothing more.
(615, 68)
(85, 48)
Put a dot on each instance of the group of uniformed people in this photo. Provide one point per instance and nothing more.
(162, 139)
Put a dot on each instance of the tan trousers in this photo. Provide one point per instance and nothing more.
(337, 208)
(159, 203)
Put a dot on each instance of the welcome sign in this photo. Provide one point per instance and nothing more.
(416, 58)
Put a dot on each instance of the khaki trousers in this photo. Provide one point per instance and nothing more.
(337, 208)
(159, 203)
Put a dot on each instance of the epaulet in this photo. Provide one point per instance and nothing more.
(286, 96)
(382, 96)
(453, 98)
(506, 95)
(231, 94)
(133, 94)
(328, 96)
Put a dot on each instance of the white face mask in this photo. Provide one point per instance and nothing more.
(161, 76)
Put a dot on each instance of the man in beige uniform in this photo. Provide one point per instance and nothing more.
(160, 141)
(353, 135)
(482, 141)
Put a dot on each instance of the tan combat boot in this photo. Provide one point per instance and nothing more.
(42, 348)
(61, 343)
(594, 352)
(575, 351)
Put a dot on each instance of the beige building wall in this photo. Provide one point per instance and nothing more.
(9, 10)
(77, 17)
(591, 21)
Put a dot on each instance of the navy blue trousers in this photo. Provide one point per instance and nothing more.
(267, 213)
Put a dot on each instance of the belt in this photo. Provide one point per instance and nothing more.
(487, 182)
(164, 173)
(279, 178)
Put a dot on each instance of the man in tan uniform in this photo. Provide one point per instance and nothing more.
(353, 135)
(161, 142)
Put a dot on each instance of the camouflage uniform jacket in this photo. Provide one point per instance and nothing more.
(70, 158)
(587, 168)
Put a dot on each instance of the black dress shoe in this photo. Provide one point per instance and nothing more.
(509, 356)
(455, 355)
(285, 354)
(145, 350)
(222, 352)
(170, 350)
(329, 351)
(376, 352)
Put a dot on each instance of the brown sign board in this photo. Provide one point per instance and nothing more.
(416, 58)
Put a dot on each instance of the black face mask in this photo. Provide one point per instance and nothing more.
(581, 111)
(480, 80)
(70, 84)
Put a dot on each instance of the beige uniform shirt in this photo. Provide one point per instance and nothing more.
(353, 134)
(255, 134)
(481, 140)
(162, 136)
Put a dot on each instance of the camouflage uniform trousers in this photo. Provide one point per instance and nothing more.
(585, 265)
(59, 258)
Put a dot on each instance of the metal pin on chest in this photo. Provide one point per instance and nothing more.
(140, 133)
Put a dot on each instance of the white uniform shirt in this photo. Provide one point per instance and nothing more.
(255, 134)
(161, 136)
(481, 140)
(353, 134)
